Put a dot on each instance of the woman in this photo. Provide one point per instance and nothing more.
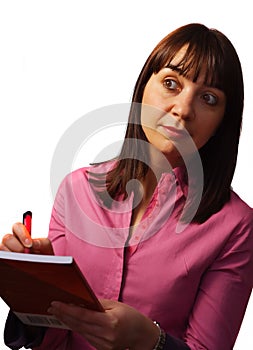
(187, 105)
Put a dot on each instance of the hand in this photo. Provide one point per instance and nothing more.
(20, 239)
(120, 327)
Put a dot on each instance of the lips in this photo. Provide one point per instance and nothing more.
(174, 133)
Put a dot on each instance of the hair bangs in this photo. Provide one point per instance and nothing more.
(203, 53)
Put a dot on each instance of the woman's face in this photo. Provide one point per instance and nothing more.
(176, 108)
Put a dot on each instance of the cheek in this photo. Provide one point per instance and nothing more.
(153, 94)
(205, 133)
(149, 133)
(150, 116)
(215, 124)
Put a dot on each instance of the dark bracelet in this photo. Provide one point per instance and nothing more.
(162, 338)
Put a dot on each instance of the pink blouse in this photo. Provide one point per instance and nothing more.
(196, 283)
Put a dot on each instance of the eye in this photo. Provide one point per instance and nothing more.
(210, 99)
(170, 84)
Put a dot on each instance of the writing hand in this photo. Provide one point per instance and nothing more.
(20, 239)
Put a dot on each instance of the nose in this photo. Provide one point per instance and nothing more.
(182, 106)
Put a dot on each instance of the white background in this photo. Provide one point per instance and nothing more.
(62, 59)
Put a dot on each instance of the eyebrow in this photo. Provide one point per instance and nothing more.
(180, 71)
(175, 68)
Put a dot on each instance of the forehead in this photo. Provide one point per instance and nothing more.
(178, 63)
(179, 57)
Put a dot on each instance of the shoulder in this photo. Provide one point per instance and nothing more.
(82, 183)
(81, 176)
(234, 221)
(238, 216)
(239, 208)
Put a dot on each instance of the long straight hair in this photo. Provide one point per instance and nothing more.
(207, 48)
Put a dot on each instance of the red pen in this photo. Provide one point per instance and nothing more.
(27, 221)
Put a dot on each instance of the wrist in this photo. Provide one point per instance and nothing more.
(162, 338)
(148, 336)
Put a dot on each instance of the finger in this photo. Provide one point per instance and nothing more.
(38, 245)
(109, 304)
(82, 314)
(3, 247)
(68, 315)
(20, 231)
(76, 318)
(42, 246)
(82, 320)
(11, 243)
(60, 309)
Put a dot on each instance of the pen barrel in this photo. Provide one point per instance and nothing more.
(27, 221)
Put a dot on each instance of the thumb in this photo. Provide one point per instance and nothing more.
(109, 304)
(42, 246)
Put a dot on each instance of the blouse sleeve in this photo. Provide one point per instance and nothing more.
(18, 335)
(223, 294)
(173, 343)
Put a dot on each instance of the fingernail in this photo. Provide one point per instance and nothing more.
(28, 243)
(55, 304)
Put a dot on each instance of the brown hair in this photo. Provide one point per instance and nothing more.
(207, 47)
